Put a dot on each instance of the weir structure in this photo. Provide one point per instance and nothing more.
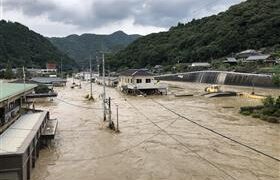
(221, 77)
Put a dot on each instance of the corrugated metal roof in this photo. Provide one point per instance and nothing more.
(8, 90)
(204, 64)
(258, 57)
(17, 136)
(231, 59)
(48, 80)
(136, 72)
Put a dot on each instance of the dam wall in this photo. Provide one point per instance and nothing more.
(221, 77)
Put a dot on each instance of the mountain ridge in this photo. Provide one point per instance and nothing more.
(20, 46)
(80, 47)
(252, 24)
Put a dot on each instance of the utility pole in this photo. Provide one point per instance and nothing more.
(117, 130)
(104, 89)
(98, 66)
(61, 67)
(111, 125)
(90, 77)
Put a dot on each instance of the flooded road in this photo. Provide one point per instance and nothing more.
(162, 137)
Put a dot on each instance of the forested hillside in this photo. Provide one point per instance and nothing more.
(20, 46)
(81, 47)
(252, 24)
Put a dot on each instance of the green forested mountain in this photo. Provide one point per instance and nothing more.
(20, 46)
(81, 47)
(252, 24)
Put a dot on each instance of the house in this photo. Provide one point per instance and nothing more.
(22, 131)
(140, 81)
(157, 69)
(258, 58)
(49, 81)
(231, 60)
(241, 56)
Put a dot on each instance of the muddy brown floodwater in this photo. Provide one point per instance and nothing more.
(162, 137)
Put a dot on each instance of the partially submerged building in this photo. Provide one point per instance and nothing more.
(140, 81)
(49, 81)
(22, 132)
(109, 81)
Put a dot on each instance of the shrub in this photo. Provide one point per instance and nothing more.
(263, 117)
(277, 113)
(246, 113)
(256, 115)
(272, 119)
(277, 102)
(268, 111)
(269, 101)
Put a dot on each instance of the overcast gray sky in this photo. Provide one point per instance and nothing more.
(64, 17)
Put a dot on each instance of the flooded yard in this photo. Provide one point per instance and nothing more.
(162, 137)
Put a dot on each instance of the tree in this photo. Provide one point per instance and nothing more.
(8, 72)
(276, 79)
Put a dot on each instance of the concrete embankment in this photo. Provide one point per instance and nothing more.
(221, 77)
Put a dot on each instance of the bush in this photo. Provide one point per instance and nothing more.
(277, 113)
(277, 102)
(251, 108)
(268, 111)
(246, 113)
(272, 119)
(256, 115)
(263, 117)
(269, 102)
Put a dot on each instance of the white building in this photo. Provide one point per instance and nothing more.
(140, 81)
(201, 64)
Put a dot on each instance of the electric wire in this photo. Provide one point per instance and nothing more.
(75, 105)
(181, 143)
(217, 133)
(119, 152)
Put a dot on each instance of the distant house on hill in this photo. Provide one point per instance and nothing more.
(140, 81)
(267, 59)
(157, 69)
(247, 53)
(231, 60)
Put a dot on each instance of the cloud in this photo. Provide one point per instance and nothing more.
(90, 15)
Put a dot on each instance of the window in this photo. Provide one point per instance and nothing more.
(148, 80)
(138, 81)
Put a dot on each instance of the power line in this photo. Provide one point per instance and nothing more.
(119, 152)
(75, 105)
(181, 143)
(217, 133)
